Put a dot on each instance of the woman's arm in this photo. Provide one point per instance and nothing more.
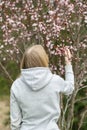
(67, 85)
(15, 113)
(69, 80)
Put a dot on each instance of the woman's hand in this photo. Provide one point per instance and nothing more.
(68, 56)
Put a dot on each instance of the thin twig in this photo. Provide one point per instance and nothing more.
(6, 72)
(63, 118)
(83, 114)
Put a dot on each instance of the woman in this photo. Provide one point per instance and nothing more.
(35, 100)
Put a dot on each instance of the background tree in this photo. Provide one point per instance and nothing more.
(54, 24)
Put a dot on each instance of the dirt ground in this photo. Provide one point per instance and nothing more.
(4, 115)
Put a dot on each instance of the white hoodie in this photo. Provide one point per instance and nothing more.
(35, 100)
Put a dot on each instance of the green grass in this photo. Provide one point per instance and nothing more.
(4, 88)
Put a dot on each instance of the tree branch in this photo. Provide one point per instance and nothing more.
(79, 100)
(64, 112)
(6, 72)
(83, 114)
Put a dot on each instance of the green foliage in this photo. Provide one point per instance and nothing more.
(13, 69)
(5, 84)
(84, 127)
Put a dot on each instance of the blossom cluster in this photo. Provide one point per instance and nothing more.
(54, 23)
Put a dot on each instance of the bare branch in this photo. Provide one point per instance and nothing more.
(6, 72)
(83, 114)
(82, 88)
(64, 112)
(79, 100)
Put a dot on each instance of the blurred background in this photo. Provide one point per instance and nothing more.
(53, 24)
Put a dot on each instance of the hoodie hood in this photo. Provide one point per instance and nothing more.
(36, 78)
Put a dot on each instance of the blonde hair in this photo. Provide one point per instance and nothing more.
(34, 56)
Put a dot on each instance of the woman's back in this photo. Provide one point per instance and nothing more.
(35, 100)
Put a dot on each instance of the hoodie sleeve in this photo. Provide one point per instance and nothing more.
(67, 85)
(15, 113)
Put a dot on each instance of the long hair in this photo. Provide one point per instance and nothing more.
(34, 56)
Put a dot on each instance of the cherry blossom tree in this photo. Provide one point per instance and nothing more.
(54, 24)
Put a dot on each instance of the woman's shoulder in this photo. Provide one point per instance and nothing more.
(57, 80)
(57, 77)
(15, 83)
